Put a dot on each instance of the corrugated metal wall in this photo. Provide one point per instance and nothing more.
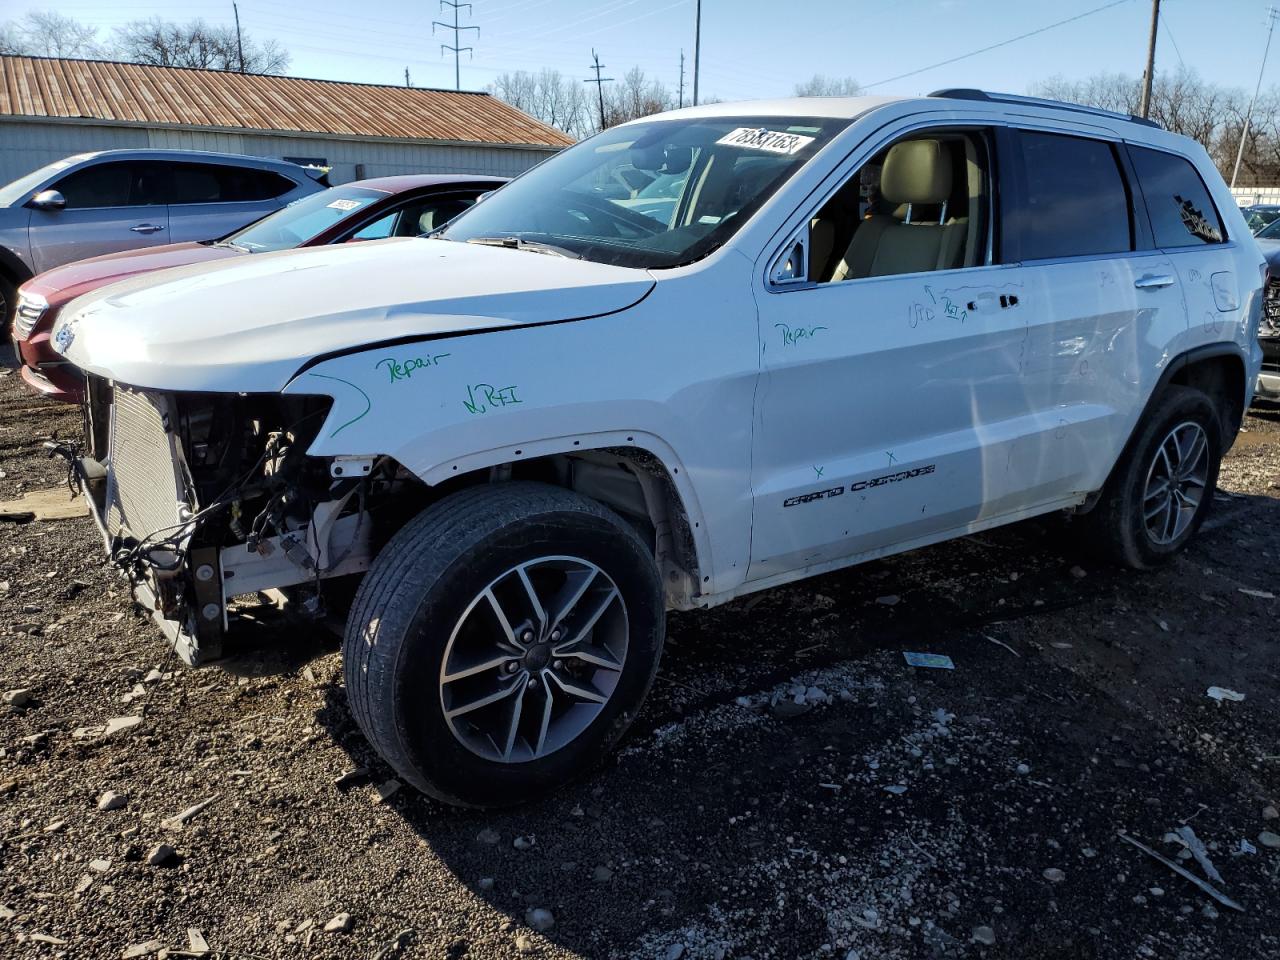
(24, 146)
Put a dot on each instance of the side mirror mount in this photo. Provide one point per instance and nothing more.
(48, 200)
(791, 266)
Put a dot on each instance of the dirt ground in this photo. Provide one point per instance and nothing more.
(903, 812)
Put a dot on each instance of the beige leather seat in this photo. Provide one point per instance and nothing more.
(915, 172)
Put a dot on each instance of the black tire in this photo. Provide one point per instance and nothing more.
(8, 304)
(1117, 524)
(419, 587)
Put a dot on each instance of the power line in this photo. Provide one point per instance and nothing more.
(599, 81)
(995, 46)
(457, 50)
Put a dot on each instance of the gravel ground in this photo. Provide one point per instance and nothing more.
(897, 812)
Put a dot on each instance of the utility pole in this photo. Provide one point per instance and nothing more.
(1272, 14)
(682, 78)
(406, 77)
(457, 50)
(1144, 108)
(697, 48)
(239, 42)
(599, 81)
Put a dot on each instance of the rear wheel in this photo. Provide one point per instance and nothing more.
(1161, 490)
(503, 641)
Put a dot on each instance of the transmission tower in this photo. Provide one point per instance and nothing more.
(599, 81)
(457, 30)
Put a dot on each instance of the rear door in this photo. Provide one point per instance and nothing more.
(1188, 229)
(112, 206)
(1110, 301)
(209, 200)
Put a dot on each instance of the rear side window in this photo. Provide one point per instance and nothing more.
(1076, 202)
(1182, 213)
(119, 184)
(214, 183)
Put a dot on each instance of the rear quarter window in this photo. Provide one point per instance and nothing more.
(1182, 212)
(216, 183)
(1075, 201)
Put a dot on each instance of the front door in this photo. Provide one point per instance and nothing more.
(891, 391)
(110, 207)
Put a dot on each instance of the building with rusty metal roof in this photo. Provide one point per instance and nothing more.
(51, 108)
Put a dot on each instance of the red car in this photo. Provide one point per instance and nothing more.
(363, 210)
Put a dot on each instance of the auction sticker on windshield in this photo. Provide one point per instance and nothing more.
(345, 205)
(771, 141)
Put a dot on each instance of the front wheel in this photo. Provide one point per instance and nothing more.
(503, 641)
(1161, 490)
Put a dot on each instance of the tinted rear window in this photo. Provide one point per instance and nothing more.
(1076, 202)
(214, 183)
(1182, 213)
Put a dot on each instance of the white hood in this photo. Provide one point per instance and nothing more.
(247, 324)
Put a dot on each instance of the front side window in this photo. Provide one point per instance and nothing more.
(1182, 212)
(119, 184)
(17, 190)
(919, 205)
(1076, 202)
(302, 220)
(416, 216)
(652, 194)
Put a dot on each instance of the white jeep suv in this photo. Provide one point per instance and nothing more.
(695, 356)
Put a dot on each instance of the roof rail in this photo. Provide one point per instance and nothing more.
(968, 93)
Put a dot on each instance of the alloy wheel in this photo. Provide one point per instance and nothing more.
(534, 659)
(1176, 483)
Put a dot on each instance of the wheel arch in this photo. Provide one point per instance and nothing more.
(634, 473)
(1218, 370)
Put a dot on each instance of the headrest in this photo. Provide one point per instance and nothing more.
(427, 221)
(916, 171)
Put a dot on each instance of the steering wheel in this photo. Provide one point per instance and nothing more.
(594, 207)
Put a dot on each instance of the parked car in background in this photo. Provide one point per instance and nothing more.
(403, 206)
(1260, 215)
(1268, 386)
(95, 203)
(530, 435)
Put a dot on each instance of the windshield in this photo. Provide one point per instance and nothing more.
(303, 219)
(11, 193)
(654, 194)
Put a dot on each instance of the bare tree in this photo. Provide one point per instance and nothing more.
(548, 96)
(820, 85)
(635, 96)
(49, 34)
(1184, 103)
(198, 44)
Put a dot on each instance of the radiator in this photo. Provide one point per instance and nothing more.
(144, 482)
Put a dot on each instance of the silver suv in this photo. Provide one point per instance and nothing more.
(95, 203)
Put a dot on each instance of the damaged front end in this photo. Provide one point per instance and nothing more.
(210, 505)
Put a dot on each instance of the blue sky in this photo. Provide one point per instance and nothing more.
(751, 48)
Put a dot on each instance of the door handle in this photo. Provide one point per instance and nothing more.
(146, 228)
(1153, 281)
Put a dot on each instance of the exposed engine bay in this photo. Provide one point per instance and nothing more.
(210, 505)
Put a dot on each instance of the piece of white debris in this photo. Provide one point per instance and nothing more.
(1222, 693)
(1260, 594)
